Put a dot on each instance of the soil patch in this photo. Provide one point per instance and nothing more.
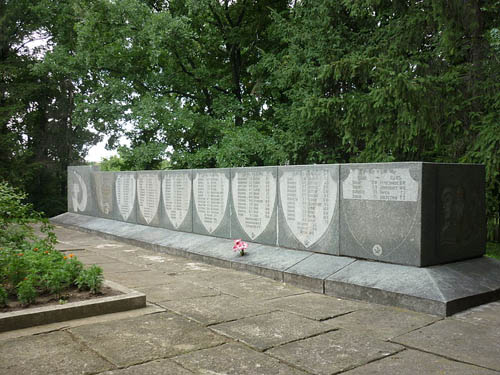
(70, 295)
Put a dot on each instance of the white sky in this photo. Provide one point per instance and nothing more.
(97, 152)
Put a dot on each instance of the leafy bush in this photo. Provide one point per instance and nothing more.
(29, 265)
(3, 297)
(90, 279)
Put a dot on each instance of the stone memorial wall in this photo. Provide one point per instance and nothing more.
(413, 213)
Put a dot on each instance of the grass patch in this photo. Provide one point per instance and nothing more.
(493, 250)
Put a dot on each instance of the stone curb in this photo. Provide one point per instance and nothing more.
(129, 300)
(440, 290)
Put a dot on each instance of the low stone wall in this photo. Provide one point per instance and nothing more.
(414, 213)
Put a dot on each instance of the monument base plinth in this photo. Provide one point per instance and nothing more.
(440, 290)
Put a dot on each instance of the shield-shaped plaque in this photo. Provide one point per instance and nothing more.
(148, 193)
(380, 207)
(176, 196)
(104, 191)
(308, 200)
(125, 194)
(254, 195)
(211, 191)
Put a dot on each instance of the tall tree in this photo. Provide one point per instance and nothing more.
(38, 137)
(389, 81)
(181, 72)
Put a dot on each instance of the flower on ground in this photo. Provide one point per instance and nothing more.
(20, 254)
(240, 245)
(65, 257)
(45, 252)
(71, 255)
(35, 249)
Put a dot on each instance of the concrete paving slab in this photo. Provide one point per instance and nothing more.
(311, 271)
(51, 353)
(217, 309)
(149, 309)
(133, 341)
(160, 367)
(383, 322)
(462, 341)
(410, 362)
(211, 276)
(96, 259)
(140, 279)
(258, 289)
(485, 314)
(119, 267)
(334, 352)
(266, 331)
(234, 359)
(315, 306)
(176, 289)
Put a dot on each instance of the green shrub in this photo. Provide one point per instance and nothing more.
(26, 291)
(3, 297)
(29, 265)
(90, 279)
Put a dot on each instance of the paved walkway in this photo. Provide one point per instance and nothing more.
(202, 319)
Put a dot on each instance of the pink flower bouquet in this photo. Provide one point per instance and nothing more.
(240, 245)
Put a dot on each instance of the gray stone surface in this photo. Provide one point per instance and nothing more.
(81, 190)
(104, 194)
(234, 359)
(258, 289)
(159, 367)
(211, 211)
(415, 213)
(314, 269)
(315, 306)
(147, 341)
(440, 290)
(461, 215)
(266, 331)
(133, 341)
(308, 208)
(266, 257)
(148, 192)
(381, 211)
(216, 309)
(140, 279)
(254, 204)
(485, 314)
(175, 289)
(462, 341)
(383, 322)
(176, 206)
(410, 362)
(126, 196)
(334, 352)
(52, 353)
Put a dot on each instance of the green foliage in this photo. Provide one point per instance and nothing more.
(36, 271)
(90, 279)
(17, 217)
(26, 291)
(3, 297)
(39, 136)
(371, 81)
(211, 83)
(493, 250)
(29, 265)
